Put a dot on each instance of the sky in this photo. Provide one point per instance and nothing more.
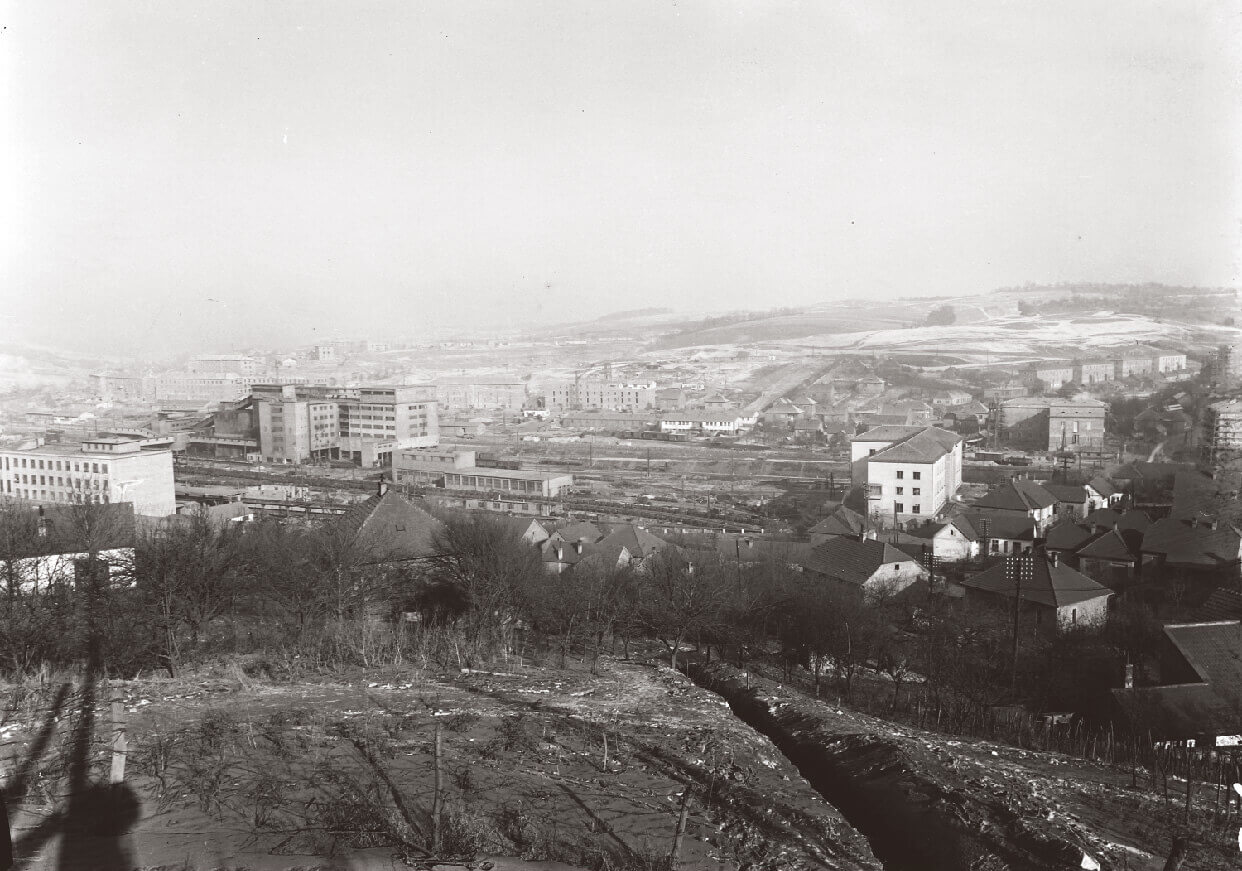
(193, 176)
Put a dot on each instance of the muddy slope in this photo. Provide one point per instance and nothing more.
(916, 812)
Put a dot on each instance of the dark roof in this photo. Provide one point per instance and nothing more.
(1002, 524)
(578, 530)
(1103, 486)
(1116, 544)
(1187, 543)
(1134, 519)
(842, 521)
(1052, 585)
(1222, 604)
(1212, 705)
(931, 528)
(1075, 493)
(388, 528)
(1144, 471)
(887, 433)
(66, 529)
(853, 560)
(748, 548)
(1017, 494)
(1103, 517)
(574, 552)
(638, 541)
(1068, 536)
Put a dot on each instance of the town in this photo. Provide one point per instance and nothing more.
(1030, 544)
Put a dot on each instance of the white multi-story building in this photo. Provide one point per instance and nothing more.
(911, 472)
(101, 470)
(588, 394)
(190, 388)
(222, 364)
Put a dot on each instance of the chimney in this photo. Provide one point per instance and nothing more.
(1128, 681)
(560, 554)
(382, 487)
(578, 545)
(1054, 558)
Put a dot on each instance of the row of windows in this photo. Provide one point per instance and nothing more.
(915, 475)
(60, 481)
(914, 491)
(53, 496)
(52, 465)
(900, 508)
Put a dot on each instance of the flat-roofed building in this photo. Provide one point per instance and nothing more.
(1078, 424)
(506, 481)
(100, 470)
(585, 394)
(222, 364)
(182, 388)
(482, 391)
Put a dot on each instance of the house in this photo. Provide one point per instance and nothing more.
(781, 413)
(841, 521)
(972, 410)
(559, 555)
(1102, 492)
(1199, 698)
(1201, 551)
(953, 540)
(1055, 375)
(638, 543)
(50, 546)
(387, 529)
(716, 402)
(910, 472)
(945, 399)
(1056, 596)
(809, 430)
(1003, 532)
(1076, 425)
(865, 567)
(577, 531)
(1020, 497)
(701, 421)
(1065, 539)
(747, 550)
(525, 529)
(1095, 371)
(870, 385)
(1114, 558)
(1073, 500)
(670, 398)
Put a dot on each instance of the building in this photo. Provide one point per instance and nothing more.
(427, 466)
(863, 566)
(122, 388)
(387, 529)
(296, 428)
(325, 353)
(910, 472)
(506, 481)
(223, 364)
(1072, 500)
(1055, 375)
(1227, 365)
(1019, 497)
(1095, 371)
(198, 390)
(45, 547)
(1169, 361)
(1136, 365)
(1222, 428)
(103, 470)
(375, 420)
(1199, 699)
(1051, 593)
(1003, 533)
(701, 421)
(1022, 408)
(506, 392)
(586, 394)
(841, 521)
(1076, 424)
(954, 540)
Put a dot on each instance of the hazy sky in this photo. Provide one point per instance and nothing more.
(183, 175)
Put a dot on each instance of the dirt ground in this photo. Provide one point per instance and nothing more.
(543, 765)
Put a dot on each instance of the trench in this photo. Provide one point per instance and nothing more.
(912, 822)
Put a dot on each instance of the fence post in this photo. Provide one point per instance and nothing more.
(120, 742)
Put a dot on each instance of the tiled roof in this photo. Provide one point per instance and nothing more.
(1134, 519)
(1075, 493)
(1103, 517)
(1068, 536)
(575, 531)
(1222, 604)
(388, 528)
(638, 541)
(853, 560)
(1002, 524)
(887, 433)
(1017, 494)
(1103, 486)
(931, 529)
(926, 446)
(1117, 545)
(842, 521)
(1187, 543)
(1210, 706)
(1053, 585)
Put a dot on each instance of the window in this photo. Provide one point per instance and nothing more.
(900, 474)
(918, 476)
(899, 507)
(917, 491)
(900, 490)
(915, 509)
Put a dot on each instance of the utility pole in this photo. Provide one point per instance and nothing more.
(1015, 568)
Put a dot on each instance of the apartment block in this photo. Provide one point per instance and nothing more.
(1222, 427)
(99, 471)
(506, 392)
(222, 364)
(1078, 424)
(191, 389)
(586, 394)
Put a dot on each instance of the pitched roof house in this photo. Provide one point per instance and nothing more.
(1058, 596)
(865, 566)
(386, 529)
(1022, 497)
(1200, 696)
(840, 521)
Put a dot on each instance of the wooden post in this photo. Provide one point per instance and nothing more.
(120, 742)
(1189, 795)
(436, 799)
(674, 855)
